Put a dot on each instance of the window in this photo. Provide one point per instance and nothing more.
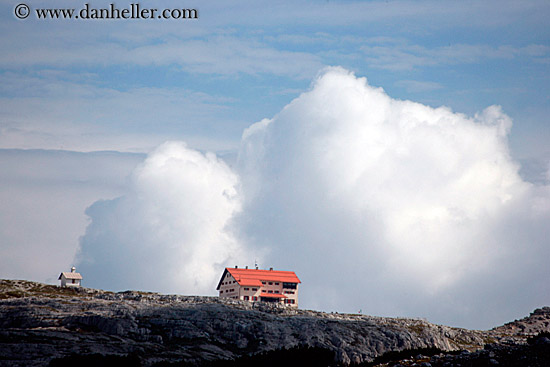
(246, 298)
(276, 291)
(270, 283)
(276, 283)
(269, 291)
(289, 285)
(247, 289)
(254, 289)
(263, 283)
(255, 298)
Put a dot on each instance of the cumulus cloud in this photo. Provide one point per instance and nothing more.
(395, 207)
(388, 206)
(169, 231)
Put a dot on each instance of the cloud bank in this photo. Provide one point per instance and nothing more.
(388, 206)
(44, 195)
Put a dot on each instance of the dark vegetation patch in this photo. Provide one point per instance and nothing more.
(96, 360)
(538, 339)
(292, 357)
(393, 357)
(536, 353)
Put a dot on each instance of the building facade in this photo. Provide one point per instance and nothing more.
(256, 285)
(70, 279)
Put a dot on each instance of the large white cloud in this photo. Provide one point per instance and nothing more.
(388, 206)
(169, 232)
(395, 207)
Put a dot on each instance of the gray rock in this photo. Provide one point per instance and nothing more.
(41, 322)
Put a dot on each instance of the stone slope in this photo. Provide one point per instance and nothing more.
(537, 322)
(40, 322)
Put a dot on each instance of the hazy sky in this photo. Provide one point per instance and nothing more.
(395, 154)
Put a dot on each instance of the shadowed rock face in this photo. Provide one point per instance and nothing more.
(39, 323)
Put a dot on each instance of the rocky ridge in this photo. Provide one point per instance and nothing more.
(41, 323)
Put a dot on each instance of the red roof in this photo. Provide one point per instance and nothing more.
(254, 277)
(273, 295)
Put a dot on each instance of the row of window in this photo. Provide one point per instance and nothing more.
(254, 298)
(285, 285)
(253, 289)
(270, 283)
(256, 289)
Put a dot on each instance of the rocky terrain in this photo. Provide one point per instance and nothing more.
(45, 325)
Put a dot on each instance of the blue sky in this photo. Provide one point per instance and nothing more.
(72, 88)
(243, 61)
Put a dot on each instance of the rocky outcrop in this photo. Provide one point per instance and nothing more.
(537, 322)
(40, 323)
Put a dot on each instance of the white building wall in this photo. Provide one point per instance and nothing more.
(69, 282)
(229, 287)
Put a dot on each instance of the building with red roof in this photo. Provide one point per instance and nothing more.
(257, 285)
